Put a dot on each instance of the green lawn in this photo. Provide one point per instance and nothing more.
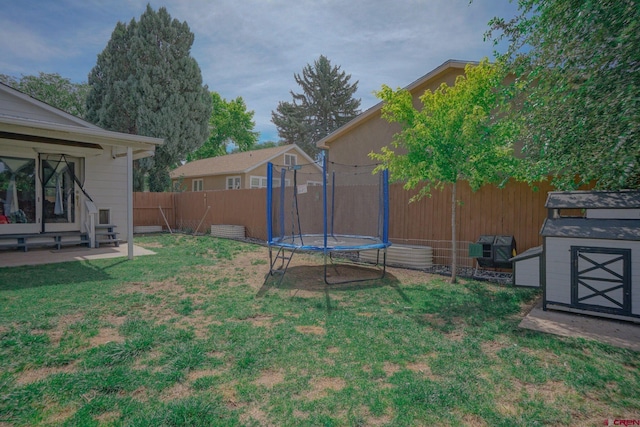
(190, 337)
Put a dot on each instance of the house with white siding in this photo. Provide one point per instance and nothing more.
(63, 180)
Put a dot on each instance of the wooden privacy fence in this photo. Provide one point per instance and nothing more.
(515, 210)
(147, 209)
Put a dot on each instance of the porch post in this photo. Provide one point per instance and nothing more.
(130, 202)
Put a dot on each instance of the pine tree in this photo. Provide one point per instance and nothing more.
(146, 83)
(325, 104)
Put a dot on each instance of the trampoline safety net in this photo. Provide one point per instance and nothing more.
(330, 208)
(327, 208)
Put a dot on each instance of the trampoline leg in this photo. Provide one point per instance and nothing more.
(283, 267)
(384, 269)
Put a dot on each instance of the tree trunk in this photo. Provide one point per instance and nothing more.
(454, 243)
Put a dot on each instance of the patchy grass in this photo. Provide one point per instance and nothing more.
(192, 337)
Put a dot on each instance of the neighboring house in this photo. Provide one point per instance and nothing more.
(52, 164)
(245, 170)
(516, 210)
(352, 143)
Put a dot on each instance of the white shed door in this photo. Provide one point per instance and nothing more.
(601, 279)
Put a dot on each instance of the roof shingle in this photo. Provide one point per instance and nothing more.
(231, 163)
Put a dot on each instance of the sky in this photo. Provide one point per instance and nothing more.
(253, 48)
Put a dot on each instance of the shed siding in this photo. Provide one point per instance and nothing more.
(527, 272)
(558, 267)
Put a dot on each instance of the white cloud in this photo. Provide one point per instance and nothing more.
(25, 43)
(252, 48)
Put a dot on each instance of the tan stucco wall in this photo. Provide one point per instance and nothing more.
(371, 135)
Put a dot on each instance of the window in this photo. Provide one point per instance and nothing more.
(261, 182)
(104, 216)
(314, 183)
(258, 182)
(290, 159)
(196, 185)
(276, 182)
(18, 190)
(233, 183)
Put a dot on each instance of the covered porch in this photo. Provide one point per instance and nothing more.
(63, 181)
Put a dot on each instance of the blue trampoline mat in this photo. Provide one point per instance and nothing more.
(336, 242)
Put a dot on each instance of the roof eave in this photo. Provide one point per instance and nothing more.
(77, 134)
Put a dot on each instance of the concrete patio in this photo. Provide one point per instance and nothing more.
(13, 258)
(617, 333)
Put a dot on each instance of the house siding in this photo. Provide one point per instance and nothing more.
(370, 135)
(107, 185)
(219, 182)
(16, 106)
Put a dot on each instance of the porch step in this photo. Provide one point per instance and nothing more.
(53, 239)
(106, 234)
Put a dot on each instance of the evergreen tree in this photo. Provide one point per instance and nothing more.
(325, 104)
(146, 83)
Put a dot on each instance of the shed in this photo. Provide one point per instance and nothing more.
(591, 259)
(526, 268)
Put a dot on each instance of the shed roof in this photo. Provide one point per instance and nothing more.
(529, 253)
(585, 228)
(627, 199)
(235, 163)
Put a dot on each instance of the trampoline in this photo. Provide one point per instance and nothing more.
(326, 208)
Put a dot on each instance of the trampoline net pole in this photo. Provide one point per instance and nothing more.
(269, 203)
(303, 216)
(333, 200)
(296, 215)
(324, 201)
(282, 194)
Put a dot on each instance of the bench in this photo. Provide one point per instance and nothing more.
(54, 239)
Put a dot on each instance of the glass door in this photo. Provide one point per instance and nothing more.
(18, 208)
(60, 199)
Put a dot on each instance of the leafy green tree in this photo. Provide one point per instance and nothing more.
(230, 123)
(455, 136)
(325, 104)
(146, 83)
(578, 80)
(53, 89)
